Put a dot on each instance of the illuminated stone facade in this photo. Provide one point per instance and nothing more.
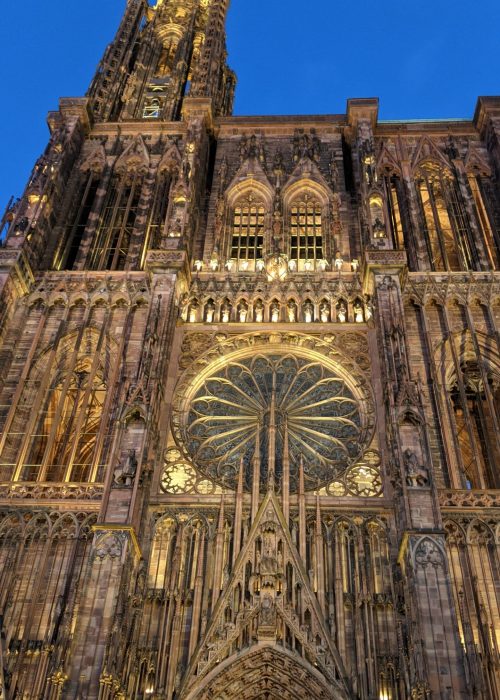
(249, 388)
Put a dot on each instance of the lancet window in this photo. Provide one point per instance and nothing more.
(65, 439)
(479, 187)
(306, 231)
(54, 430)
(475, 415)
(159, 209)
(67, 258)
(151, 109)
(118, 217)
(448, 237)
(248, 226)
(394, 198)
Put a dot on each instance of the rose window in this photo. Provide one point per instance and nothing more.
(247, 410)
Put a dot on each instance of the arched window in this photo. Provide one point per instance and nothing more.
(247, 231)
(448, 237)
(474, 409)
(306, 232)
(394, 196)
(118, 217)
(74, 232)
(65, 439)
(483, 194)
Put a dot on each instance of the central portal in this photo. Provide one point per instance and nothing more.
(266, 673)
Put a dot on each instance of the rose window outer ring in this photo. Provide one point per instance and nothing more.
(325, 411)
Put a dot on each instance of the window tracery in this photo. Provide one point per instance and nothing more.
(229, 418)
(69, 422)
(485, 219)
(447, 232)
(248, 231)
(475, 420)
(117, 221)
(306, 231)
(74, 232)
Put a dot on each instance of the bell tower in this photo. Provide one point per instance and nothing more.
(162, 54)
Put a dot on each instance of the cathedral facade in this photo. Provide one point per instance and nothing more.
(249, 393)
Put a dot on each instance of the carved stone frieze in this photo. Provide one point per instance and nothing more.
(444, 287)
(449, 498)
(50, 491)
(110, 288)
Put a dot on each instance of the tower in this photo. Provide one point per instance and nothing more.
(248, 393)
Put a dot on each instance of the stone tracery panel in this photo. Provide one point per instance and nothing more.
(320, 398)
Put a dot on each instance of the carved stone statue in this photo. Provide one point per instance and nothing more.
(124, 474)
(324, 312)
(358, 312)
(193, 311)
(225, 312)
(308, 312)
(259, 311)
(291, 311)
(341, 312)
(416, 474)
(275, 312)
(242, 312)
(209, 312)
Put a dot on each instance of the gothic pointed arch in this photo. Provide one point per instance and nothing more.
(248, 203)
(272, 672)
(306, 175)
(95, 161)
(306, 204)
(427, 152)
(250, 176)
(134, 158)
(171, 160)
(386, 162)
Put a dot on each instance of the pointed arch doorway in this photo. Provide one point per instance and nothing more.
(265, 672)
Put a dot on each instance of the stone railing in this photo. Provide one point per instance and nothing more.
(469, 499)
(17, 490)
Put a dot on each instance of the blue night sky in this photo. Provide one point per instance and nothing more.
(423, 59)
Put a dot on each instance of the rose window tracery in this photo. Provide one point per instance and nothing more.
(248, 409)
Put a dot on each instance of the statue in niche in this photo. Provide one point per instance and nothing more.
(164, 62)
(342, 312)
(243, 312)
(183, 306)
(358, 312)
(193, 311)
(291, 311)
(210, 312)
(268, 616)
(275, 312)
(225, 312)
(243, 149)
(334, 173)
(416, 474)
(369, 310)
(219, 215)
(278, 165)
(324, 312)
(268, 562)
(259, 311)
(308, 312)
(124, 474)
